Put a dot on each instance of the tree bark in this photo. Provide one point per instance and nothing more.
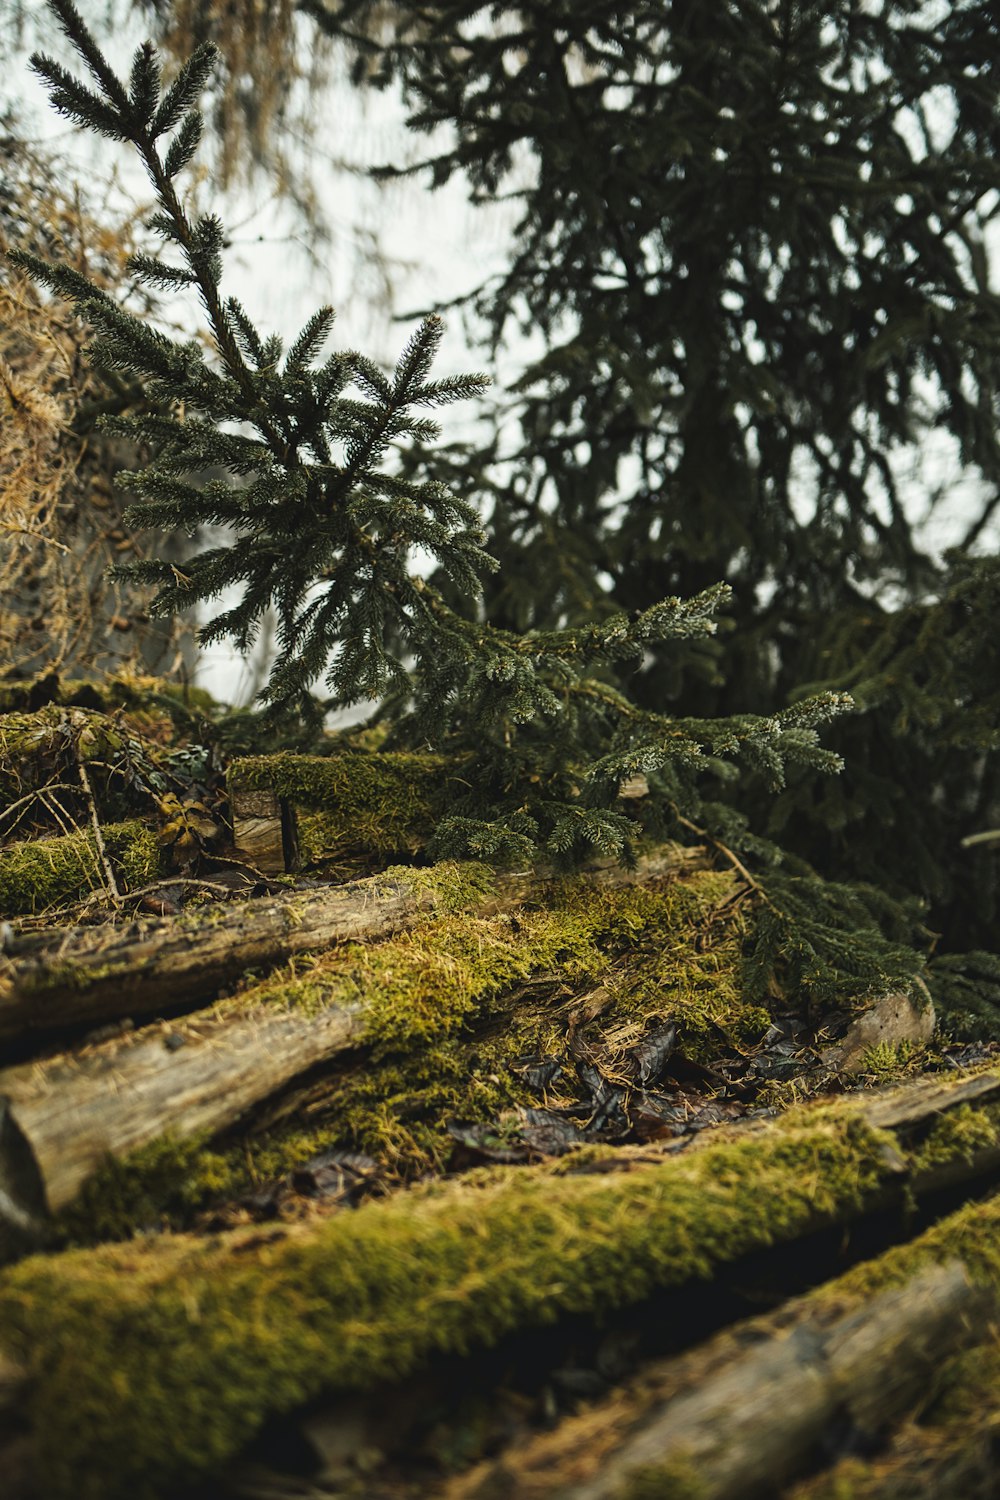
(62, 1119)
(79, 976)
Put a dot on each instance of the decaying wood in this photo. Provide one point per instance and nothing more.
(257, 827)
(751, 1409)
(89, 974)
(64, 1118)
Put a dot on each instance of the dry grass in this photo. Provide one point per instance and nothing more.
(60, 517)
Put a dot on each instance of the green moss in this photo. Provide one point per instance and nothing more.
(959, 1133)
(889, 1062)
(155, 1362)
(133, 691)
(676, 1480)
(454, 885)
(39, 873)
(33, 745)
(353, 803)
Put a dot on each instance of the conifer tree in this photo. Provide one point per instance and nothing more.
(324, 520)
(753, 235)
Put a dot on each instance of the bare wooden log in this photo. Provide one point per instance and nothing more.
(257, 826)
(89, 974)
(64, 1118)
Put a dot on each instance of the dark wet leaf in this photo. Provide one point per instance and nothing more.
(334, 1174)
(716, 1112)
(487, 1143)
(538, 1072)
(607, 1114)
(549, 1132)
(652, 1054)
(654, 1115)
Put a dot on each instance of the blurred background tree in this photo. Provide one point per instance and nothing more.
(753, 256)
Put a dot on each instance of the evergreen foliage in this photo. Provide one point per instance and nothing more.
(325, 518)
(753, 236)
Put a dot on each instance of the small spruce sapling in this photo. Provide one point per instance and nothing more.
(324, 528)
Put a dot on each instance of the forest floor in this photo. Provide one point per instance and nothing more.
(329, 1171)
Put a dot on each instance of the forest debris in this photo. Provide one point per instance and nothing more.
(65, 1118)
(258, 829)
(85, 974)
(409, 997)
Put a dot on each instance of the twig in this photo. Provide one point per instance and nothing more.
(733, 859)
(102, 852)
(991, 836)
(203, 885)
(35, 796)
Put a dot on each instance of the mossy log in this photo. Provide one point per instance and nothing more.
(295, 811)
(65, 1116)
(166, 965)
(743, 1415)
(39, 873)
(156, 1361)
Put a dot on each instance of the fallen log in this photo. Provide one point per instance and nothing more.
(83, 975)
(950, 1451)
(59, 1121)
(155, 1361)
(63, 1117)
(778, 1402)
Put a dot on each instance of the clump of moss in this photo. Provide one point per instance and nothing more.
(155, 1362)
(354, 804)
(677, 1479)
(960, 1132)
(39, 873)
(33, 745)
(129, 690)
(891, 1062)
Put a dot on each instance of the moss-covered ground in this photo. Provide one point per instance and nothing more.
(452, 1008)
(156, 1358)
